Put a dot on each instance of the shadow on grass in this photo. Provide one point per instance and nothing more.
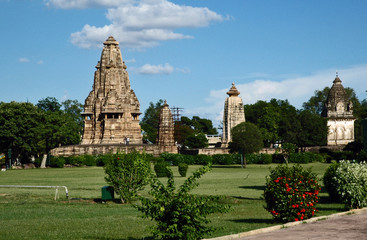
(262, 188)
(246, 198)
(227, 166)
(254, 220)
(123, 238)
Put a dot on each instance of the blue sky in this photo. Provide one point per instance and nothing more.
(187, 52)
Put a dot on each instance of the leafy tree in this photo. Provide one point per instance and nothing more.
(196, 140)
(316, 103)
(246, 138)
(73, 108)
(18, 129)
(58, 127)
(179, 214)
(275, 119)
(150, 121)
(191, 132)
(288, 149)
(49, 104)
(203, 125)
(313, 130)
(127, 173)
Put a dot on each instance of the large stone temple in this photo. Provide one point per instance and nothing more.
(111, 113)
(111, 110)
(233, 114)
(339, 112)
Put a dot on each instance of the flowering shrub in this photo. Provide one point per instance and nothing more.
(350, 182)
(291, 193)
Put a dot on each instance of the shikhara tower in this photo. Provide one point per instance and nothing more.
(339, 112)
(111, 110)
(233, 114)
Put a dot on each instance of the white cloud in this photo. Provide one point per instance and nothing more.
(296, 90)
(141, 24)
(130, 60)
(149, 69)
(23, 60)
(69, 4)
(40, 62)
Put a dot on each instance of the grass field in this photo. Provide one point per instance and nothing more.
(34, 214)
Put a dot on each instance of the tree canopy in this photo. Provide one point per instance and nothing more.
(31, 130)
(246, 138)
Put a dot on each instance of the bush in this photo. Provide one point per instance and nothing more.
(305, 157)
(74, 160)
(57, 162)
(203, 159)
(330, 183)
(161, 169)
(226, 159)
(291, 193)
(350, 181)
(179, 214)
(127, 173)
(102, 159)
(89, 160)
(182, 169)
(258, 158)
(278, 158)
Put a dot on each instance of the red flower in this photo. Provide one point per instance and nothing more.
(296, 219)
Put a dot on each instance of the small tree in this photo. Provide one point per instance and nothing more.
(246, 138)
(288, 149)
(179, 214)
(127, 173)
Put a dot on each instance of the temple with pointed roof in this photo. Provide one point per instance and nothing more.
(233, 114)
(166, 130)
(338, 109)
(111, 110)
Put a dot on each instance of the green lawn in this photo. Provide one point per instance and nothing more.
(33, 213)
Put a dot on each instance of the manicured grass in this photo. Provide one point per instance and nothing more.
(33, 214)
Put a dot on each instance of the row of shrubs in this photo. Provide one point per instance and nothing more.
(200, 159)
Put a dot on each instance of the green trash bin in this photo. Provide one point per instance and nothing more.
(108, 193)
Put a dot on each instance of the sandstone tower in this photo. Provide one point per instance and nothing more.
(111, 110)
(165, 139)
(233, 114)
(339, 111)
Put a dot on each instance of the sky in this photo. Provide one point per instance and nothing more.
(186, 52)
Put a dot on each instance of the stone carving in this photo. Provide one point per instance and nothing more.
(339, 111)
(111, 110)
(233, 114)
(166, 128)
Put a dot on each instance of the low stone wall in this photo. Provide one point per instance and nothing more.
(97, 149)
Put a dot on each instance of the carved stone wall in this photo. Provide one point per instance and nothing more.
(111, 110)
(233, 114)
(339, 111)
(165, 138)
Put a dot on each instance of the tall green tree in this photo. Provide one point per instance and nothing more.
(246, 138)
(150, 121)
(19, 123)
(196, 140)
(58, 127)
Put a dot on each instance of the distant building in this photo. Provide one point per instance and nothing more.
(166, 130)
(339, 112)
(233, 114)
(111, 110)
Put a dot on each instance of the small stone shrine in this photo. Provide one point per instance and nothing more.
(233, 114)
(165, 139)
(111, 110)
(339, 111)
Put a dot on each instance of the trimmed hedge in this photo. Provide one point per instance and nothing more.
(258, 158)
